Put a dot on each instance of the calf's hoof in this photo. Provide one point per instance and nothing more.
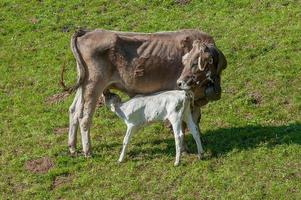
(176, 164)
(201, 156)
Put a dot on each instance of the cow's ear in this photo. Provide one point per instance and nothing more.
(222, 61)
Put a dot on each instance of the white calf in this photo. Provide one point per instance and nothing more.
(171, 105)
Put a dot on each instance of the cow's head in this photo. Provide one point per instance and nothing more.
(202, 68)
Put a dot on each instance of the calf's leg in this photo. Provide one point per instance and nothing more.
(196, 115)
(196, 134)
(184, 147)
(178, 134)
(130, 130)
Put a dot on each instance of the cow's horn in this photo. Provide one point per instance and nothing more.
(199, 64)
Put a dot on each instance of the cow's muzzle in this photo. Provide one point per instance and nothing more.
(187, 84)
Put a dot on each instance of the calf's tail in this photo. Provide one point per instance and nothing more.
(81, 64)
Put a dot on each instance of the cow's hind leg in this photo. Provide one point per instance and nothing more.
(91, 93)
(74, 111)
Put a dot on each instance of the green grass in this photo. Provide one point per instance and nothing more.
(253, 134)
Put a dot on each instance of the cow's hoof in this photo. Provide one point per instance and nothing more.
(176, 164)
(72, 151)
(88, 155)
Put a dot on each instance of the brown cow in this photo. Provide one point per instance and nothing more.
(135, 63)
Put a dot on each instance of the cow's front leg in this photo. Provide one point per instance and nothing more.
(196, 116)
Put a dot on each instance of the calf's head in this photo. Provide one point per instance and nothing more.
(202, 68)
(112, 100)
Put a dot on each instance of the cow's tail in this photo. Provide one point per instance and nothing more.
(81, 64)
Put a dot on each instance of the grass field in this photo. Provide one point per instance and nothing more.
(253, 134)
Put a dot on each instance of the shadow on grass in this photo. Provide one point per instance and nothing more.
(223, 140)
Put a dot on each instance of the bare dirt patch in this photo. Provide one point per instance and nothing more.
(56, 98)
(255, 98)
(231, 90)
(34, 20)
(249, 116)
(61, 180)
(272, 84)
(40, 166)
(182, 2)
(61, 130)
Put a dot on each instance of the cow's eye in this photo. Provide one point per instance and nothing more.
(210, 61)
